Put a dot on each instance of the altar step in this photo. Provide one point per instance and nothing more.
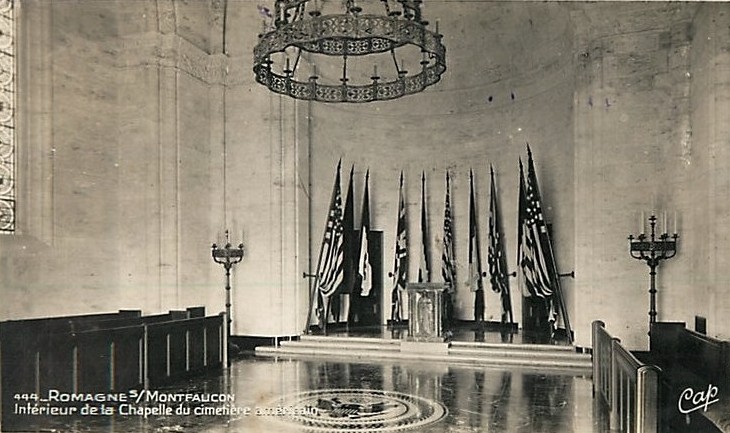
(457, 352)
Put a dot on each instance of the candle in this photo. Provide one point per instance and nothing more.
(437, 26)
(641, 223)
(675, 222)
(664, 224)
(375, 70)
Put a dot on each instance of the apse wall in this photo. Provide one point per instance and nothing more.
(503, 88)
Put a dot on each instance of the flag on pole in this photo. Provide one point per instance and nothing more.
(532, 257)
(496, 258)
(364, 268)
(348, 244)
(448, 267)
(329, 273)
(424, 268)
(349, 238)
(400, 265)
(535, 250)
(475, 256)
(331, 259)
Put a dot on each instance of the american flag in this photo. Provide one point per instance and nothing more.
(400, 265)
(448, 268)
(533, 251)
(424, 269)
(330, 272)
(496, 257)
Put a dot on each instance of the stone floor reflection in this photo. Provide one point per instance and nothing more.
(387, 396)
(477, 399)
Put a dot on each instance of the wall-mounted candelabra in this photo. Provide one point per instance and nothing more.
(653, 249)
(227, 256)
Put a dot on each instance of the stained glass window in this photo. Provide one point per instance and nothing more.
(7, 117)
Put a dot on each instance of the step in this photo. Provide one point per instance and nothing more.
(390, 341)
(330, 339)
(558, 363)
(510, 352)
(342, 345)
(571, 370)
(515, 346)
(489, 350)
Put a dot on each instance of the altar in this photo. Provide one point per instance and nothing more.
(426, 321)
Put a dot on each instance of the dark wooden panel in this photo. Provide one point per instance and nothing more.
(57, 363)
(194, 312)
(94, 361)
(178, 349)
(128, 343)
(213, 342)
(196, 347)
(156, 355)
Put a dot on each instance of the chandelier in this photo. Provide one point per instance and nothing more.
(335, 51)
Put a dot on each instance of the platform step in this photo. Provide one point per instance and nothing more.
(515, 346)
(349, 340)
(510, 352)
(364, 348)
(460, 344)
(355, 345)
(482, 359)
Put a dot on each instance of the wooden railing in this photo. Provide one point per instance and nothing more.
(602, 341)
(113, 352)
(628, 387)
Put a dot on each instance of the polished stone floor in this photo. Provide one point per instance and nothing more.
(288, 395)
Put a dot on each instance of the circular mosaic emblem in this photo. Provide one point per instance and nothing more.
(357, 410)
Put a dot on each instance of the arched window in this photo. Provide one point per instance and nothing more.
(7, 117)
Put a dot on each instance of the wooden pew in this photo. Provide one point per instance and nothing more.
(104, 353)
(691, 360)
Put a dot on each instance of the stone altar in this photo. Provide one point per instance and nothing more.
(426, 312)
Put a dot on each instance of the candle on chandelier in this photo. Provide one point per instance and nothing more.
(675, 222)
(664, 224)
(642, 222)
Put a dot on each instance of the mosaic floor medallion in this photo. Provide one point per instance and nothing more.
(357, 410)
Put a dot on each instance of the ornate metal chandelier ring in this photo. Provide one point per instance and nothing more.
(350, 35)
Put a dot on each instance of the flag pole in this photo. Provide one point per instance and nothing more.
(425, 273)
(313, 286)
(475, 250)
(395, 299)
(559, 292)
(506, 295)
(556, 277)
